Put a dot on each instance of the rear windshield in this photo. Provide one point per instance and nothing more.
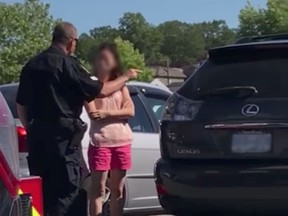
(267, 70)
(9, 93)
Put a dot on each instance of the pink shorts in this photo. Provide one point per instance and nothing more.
(109, 158)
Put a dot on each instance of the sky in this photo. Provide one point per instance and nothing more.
(88, 14)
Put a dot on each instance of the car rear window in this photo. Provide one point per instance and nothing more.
(9, 93)
(265, 69)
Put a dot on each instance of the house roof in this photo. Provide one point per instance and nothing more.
(159, 71)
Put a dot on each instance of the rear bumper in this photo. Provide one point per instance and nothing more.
(222, 185)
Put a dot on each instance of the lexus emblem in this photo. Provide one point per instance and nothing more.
(250, 110)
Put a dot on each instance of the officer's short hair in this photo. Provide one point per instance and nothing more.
(63, 31)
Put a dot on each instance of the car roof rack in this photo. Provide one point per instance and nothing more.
(263, 38)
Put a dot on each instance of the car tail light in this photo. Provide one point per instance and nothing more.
(22, 138)
(161, 189)
(8, 138)
(180, 108)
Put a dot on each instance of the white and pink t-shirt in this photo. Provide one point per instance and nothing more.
(110, 132)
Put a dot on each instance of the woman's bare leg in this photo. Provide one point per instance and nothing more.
(97, 192)
(117, 182)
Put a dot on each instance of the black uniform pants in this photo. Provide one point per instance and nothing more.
(55, 155)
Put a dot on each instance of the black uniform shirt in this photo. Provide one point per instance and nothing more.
(52, 85)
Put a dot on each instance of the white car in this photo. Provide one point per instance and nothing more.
(149, 101)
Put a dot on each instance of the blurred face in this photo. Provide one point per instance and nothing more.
(105, 63)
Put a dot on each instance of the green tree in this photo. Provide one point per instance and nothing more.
(260, 21)
(131, 58)
(85, 46)
(104, 33)
(145, 37)
(25, 30)
(88, 43)
(216, 33)
(183, 43)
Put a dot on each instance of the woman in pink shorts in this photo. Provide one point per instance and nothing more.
(111, 136)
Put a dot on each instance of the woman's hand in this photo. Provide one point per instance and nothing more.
(99, 114)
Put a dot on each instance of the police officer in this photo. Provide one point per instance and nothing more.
(51, 93)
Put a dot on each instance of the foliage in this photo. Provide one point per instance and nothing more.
(131, 58)
(260, 21)
(88, 43)
(172, 42)
(216, 33)
(183, 43)
(145, 37)
(85, 47)
(25, 30)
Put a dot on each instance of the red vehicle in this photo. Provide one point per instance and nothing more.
(18, 196)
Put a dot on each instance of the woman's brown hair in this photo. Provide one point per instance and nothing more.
(112, 47)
